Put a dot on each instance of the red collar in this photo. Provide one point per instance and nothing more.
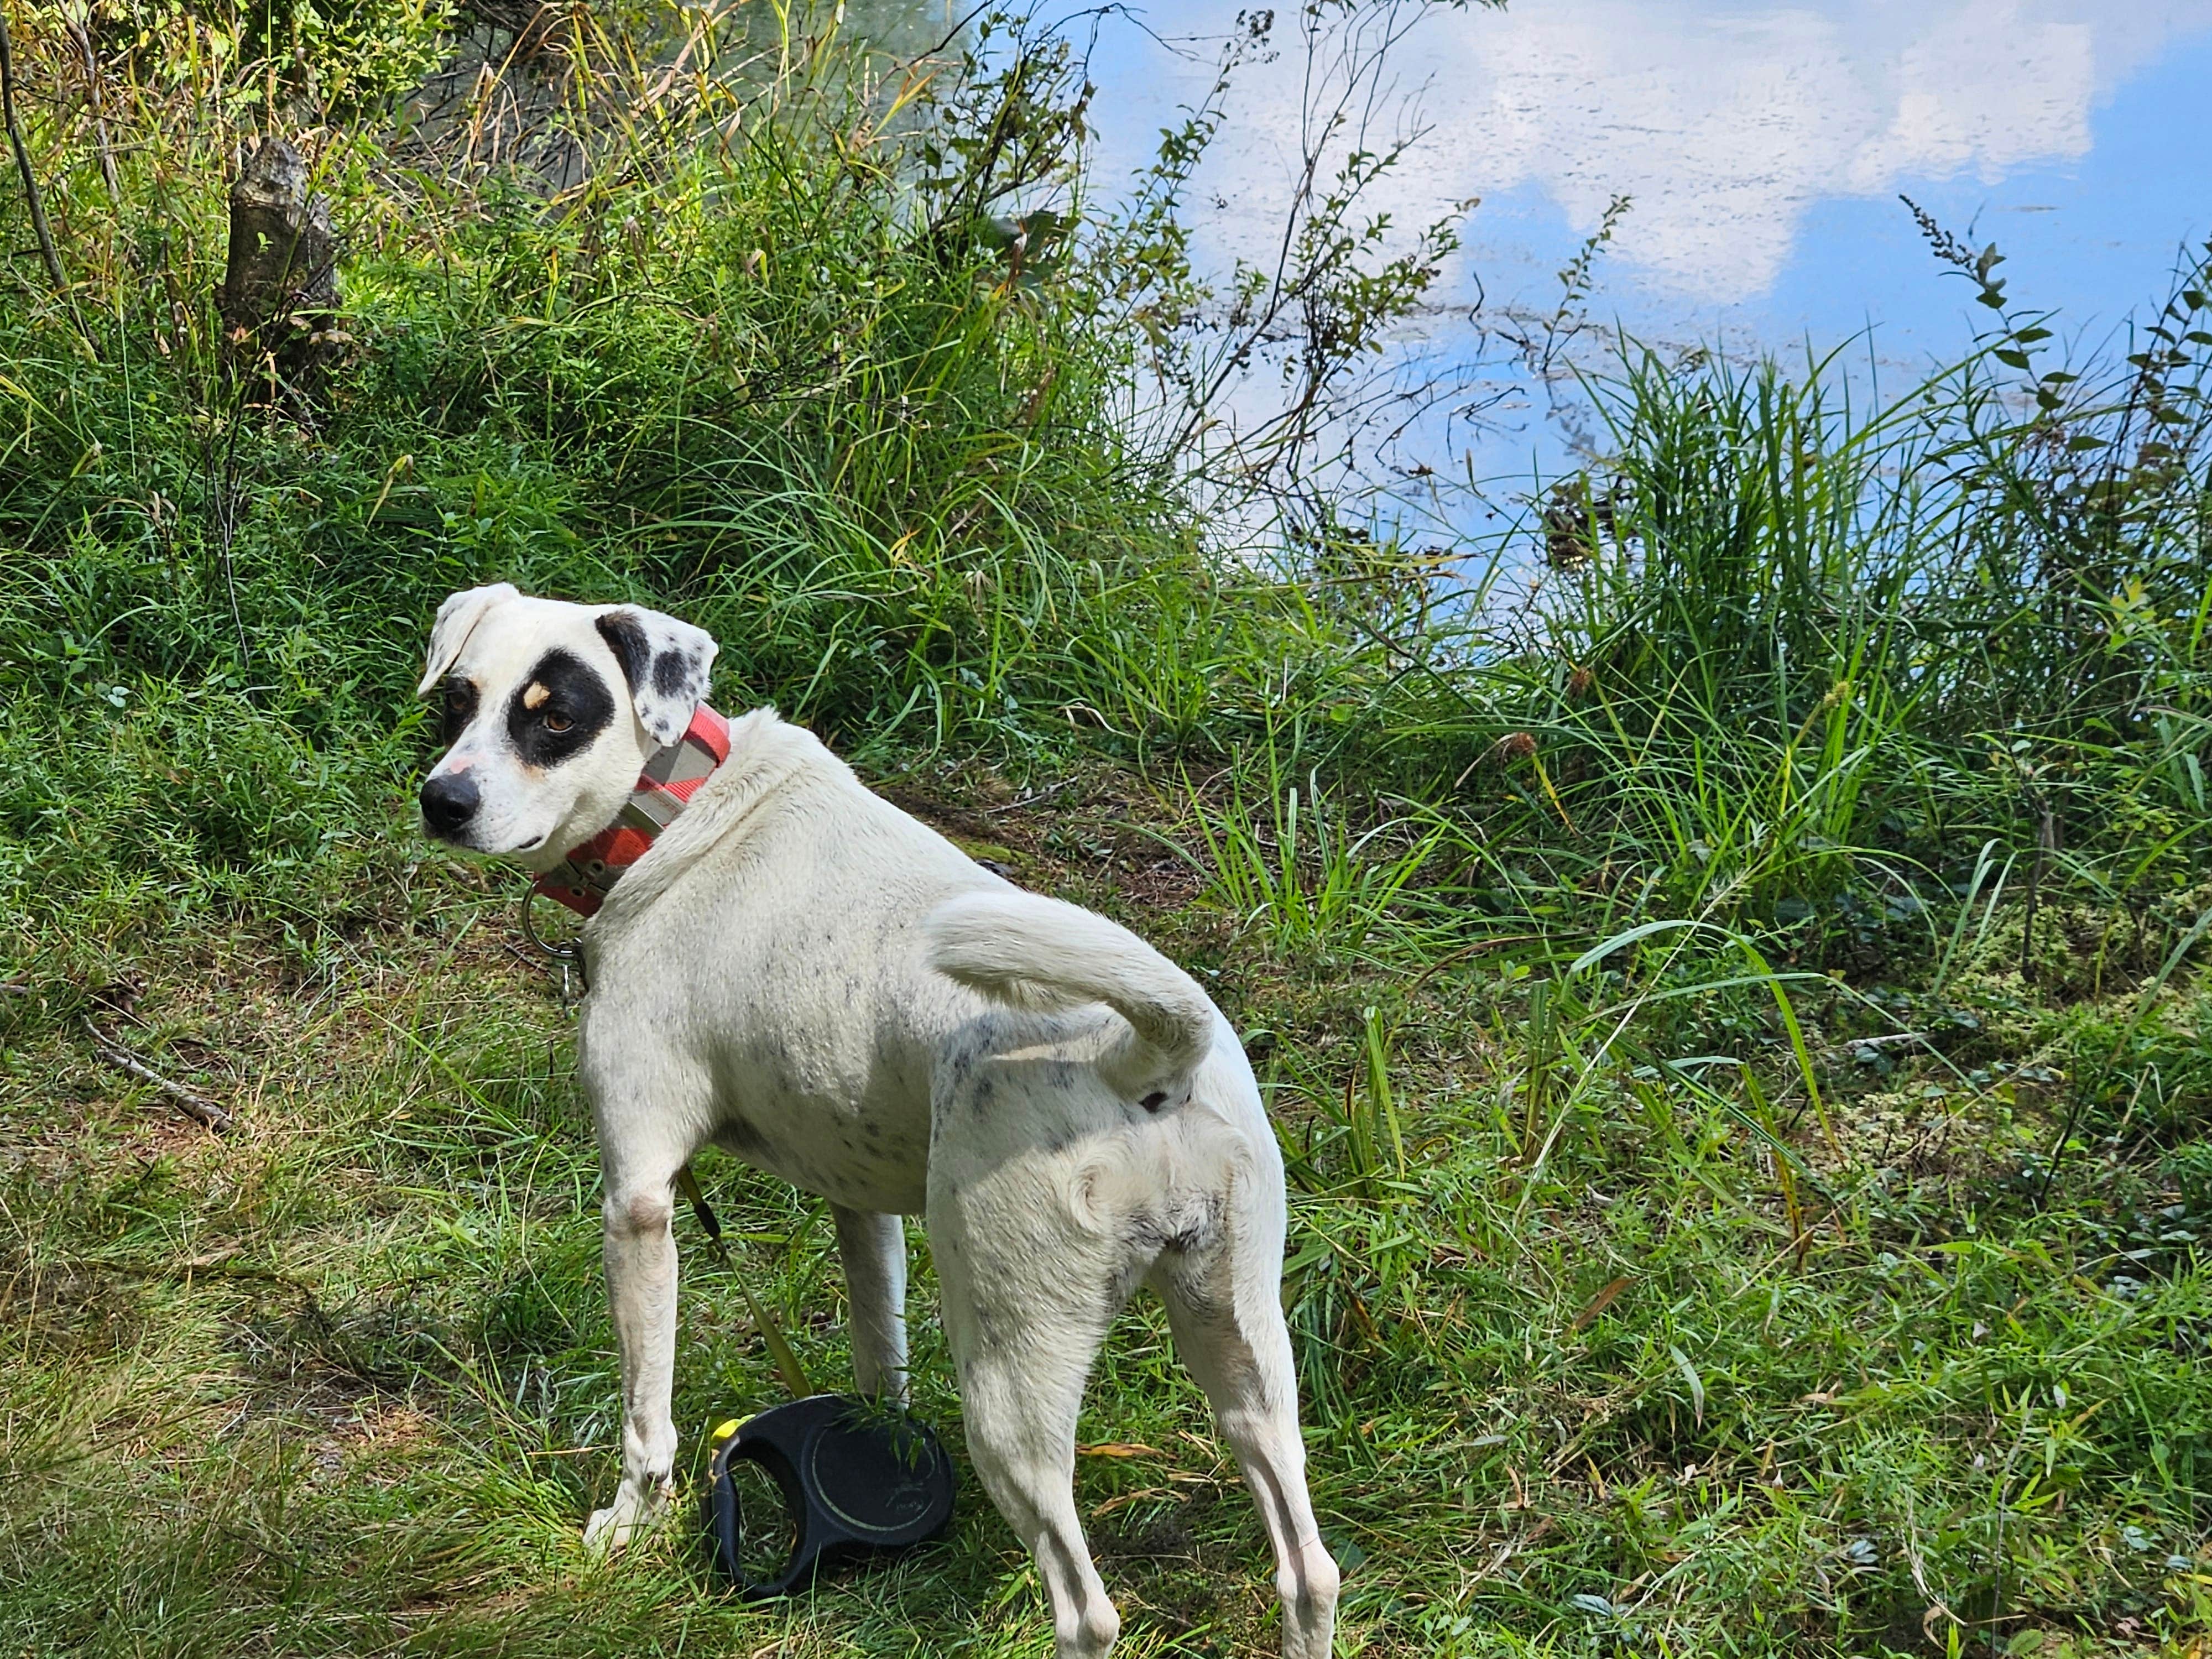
(669, 780)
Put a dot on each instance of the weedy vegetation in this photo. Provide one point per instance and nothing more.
(1726, 954)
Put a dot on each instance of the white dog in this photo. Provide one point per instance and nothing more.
(794, 969)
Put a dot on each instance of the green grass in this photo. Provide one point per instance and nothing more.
(1734, 1014)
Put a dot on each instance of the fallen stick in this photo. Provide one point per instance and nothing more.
(192, 1105)
(213, 1267)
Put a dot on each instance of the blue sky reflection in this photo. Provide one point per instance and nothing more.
(1763, 147)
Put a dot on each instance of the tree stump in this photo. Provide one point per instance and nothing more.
(279, 296)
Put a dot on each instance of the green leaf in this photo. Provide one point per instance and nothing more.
(1690, 1376)
(1598, 953)
(1379, 1097)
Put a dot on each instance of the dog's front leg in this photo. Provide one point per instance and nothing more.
(640, 1259)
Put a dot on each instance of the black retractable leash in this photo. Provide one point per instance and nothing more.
(857, 1479)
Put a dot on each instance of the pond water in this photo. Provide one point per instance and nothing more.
(1762, 147)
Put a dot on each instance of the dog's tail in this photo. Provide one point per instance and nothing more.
(1034, 952)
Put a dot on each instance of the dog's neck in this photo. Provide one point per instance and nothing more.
(584, 878)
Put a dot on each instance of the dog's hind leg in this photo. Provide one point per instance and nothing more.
(873, 1250)
(1024, 1346)
(1224, 1304)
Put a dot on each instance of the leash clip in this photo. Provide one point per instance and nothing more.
(569, 957)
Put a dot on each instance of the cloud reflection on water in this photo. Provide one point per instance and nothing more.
(1724, 122)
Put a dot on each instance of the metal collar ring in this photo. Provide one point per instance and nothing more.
(563, 953)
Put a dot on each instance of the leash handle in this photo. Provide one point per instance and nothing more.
(855, 1480)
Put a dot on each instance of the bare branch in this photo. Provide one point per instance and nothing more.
(23, 164)
(192, 1103)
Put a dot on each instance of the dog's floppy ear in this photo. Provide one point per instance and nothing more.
(457, 619)
(666, 662)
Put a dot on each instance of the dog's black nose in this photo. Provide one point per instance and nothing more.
(449, 802)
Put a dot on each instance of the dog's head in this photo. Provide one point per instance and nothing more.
(551, 710)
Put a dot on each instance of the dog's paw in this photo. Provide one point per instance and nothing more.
(631, 1513)
(607, 1530)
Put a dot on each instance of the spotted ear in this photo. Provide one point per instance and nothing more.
(666, 661)
(457, 619)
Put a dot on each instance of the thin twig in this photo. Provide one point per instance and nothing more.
(91, 55)
(23, 164)
(2046, 842)
(1026, 801)
(200, 1266)
(193, 1105)
(1997, 1550)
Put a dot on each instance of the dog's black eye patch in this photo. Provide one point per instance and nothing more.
(460, 708)
(560, 706)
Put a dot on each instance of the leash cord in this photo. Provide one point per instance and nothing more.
(780, 1350)
(688, 1184)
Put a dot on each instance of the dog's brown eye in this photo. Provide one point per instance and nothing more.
(460, 709)
(555, 723)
